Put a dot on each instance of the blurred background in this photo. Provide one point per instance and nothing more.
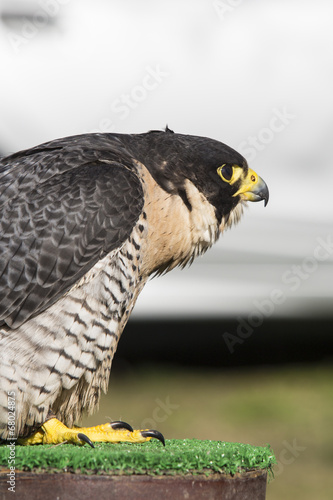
(238, 347)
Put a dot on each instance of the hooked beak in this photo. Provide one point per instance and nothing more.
(253, 188)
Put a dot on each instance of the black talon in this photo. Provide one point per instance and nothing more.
(154, 434)
(118, 424)
(85, 438)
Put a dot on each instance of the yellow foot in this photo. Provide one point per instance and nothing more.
(54, 432)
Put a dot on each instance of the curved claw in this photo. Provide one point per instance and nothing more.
(119, 424)
(154, 434)
(85, 438)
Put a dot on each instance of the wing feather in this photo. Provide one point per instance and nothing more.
(61, 210)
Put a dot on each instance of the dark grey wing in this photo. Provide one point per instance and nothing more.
(54, 229)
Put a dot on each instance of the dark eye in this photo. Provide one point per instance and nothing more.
(226, 172)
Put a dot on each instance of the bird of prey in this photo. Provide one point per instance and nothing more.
(85, 221)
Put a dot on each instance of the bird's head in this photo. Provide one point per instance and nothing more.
(217, 171)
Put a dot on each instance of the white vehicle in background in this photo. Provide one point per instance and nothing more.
(71, 67)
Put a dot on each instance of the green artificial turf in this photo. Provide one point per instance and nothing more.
(180, 456)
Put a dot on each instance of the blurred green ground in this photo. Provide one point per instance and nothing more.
(289, 408)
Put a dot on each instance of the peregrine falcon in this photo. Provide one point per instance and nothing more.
(85, 221)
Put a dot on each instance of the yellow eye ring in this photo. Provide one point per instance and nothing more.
(226, 172)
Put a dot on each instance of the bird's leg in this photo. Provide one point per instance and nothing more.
(54, 432)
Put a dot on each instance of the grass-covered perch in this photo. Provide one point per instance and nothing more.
(180, 456)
